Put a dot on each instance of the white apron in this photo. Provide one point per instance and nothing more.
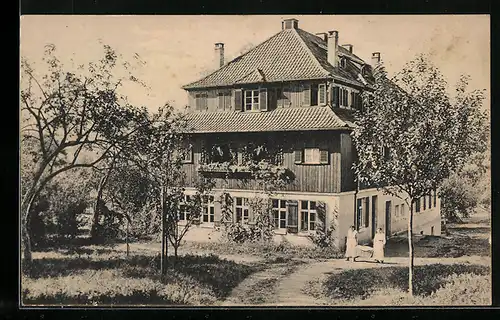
(352, 242)
(378, 246)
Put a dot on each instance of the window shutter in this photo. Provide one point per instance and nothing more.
(335, 96)
(263, 99)
(321, 94)
(323, 156)
(238, 100)
(306, 95)
(353, 99)
(298, 156)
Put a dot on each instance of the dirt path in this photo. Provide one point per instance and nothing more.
(289, 289)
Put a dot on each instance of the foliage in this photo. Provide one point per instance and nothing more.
(458, 198)
(411, 136)
(324, 236)
(68, 112)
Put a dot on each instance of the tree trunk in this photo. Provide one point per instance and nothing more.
(162, 256)
(25, 231)
(410, 250)
(97, 207)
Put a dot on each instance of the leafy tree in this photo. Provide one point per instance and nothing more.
(65, 114)
(411, 135)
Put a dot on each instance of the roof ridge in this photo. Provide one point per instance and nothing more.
(309, 52)
(235, 59)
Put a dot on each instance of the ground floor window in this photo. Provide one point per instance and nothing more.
(208, 209)
(279, 213)
(307, 215)
(183, 214)
(241, 210)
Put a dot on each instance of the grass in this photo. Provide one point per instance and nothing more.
(99, 278)
(268, 250)
(458, 290)
(362, 283)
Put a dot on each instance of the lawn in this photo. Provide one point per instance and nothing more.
(104, 277)
(434, 284)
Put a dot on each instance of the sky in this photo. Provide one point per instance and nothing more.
(180, 49)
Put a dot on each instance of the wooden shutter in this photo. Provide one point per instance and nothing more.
(335, 96)
(353, 99)
(263, 99)
(238, 100)
(298, 156)
(321, 94)
(306, 95)
(323, 156)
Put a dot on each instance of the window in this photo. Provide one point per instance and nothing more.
(307, 215)
(344, 97)
(429, 197)
(435, 196)
(220, 153)
(322, 94)
(342, 62)
(251, 100)
(224, 100)
(279, 213)
(241, 210)
(402, 209)
(208, 209)
(201, 101)
(417, 205)
(312, 156)
(424, 200)
(363, 213)
(188, 155)
(183, 214)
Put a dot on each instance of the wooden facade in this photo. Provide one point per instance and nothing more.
(330, 177)
(282, 95)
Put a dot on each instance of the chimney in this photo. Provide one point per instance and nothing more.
(332, 47)
(290, 24)
(219, 55)
(323, 35)
(348, 47)
(375, 58)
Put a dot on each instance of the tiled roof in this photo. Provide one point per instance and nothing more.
(281, 119)
(292, 54)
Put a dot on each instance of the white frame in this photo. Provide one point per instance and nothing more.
(280, 209)
(210, 204)
(316, 156)
(308, 212)
(244, 207)
(254, 106)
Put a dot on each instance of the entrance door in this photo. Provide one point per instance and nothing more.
(374, 215)
(388, 206)
(293, 217)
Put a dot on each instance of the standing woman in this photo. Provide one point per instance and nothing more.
(378, 245)
(351, 244)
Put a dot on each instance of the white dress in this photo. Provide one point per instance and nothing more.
(352, 242)
(378, 246)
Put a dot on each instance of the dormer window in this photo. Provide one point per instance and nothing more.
(342, 62)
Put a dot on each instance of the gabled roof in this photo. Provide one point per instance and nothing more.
(281, 119)
(291, 54)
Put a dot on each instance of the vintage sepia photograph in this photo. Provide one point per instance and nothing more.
(255, 160)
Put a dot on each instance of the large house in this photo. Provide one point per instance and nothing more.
(291, 98)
